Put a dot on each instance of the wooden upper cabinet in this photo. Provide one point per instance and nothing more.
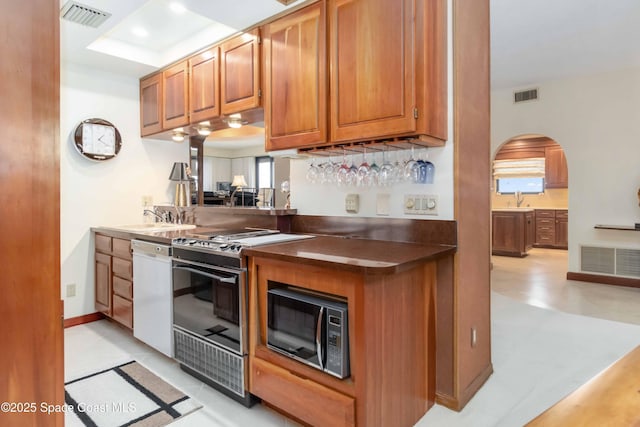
(240, 73)
(295, 70)
(556, 173)
(372, 77)
(151, 105)
(175, 82)
(204, 85)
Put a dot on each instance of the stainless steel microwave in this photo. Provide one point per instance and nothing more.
(309, 327)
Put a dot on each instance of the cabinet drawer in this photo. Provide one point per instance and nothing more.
(302, 398)
(122, 248)
(545, 238)
(562, 214)
(545, 213)
(103, 243)
(123, 287)
(545, 222)
(123, 311)
(122, 268)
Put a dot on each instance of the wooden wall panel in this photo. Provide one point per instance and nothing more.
(472, 203)
(31, 327)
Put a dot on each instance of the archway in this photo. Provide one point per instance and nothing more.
(529, 202)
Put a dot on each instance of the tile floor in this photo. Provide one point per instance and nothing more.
(549, 335)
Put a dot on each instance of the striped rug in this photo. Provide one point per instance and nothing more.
(125, 395)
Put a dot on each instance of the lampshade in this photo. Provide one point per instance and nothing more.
(239, 181)
(179, 172)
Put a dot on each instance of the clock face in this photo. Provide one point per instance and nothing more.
(97, 139)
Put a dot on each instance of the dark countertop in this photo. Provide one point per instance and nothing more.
(357, 255)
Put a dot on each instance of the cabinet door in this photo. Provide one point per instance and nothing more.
(239, 73)
(507, 232)
(151, 105)
(372, 77)
(530, 230)
(204, 85)
(175, 81)
(123, 311)
(562, 229)
(295, 67)
(556, 174)
(103, 283)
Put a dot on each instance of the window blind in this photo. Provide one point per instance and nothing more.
(519, 168)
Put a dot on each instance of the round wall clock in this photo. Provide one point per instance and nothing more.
(97, 139)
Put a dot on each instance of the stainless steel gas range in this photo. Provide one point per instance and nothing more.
(210, 289)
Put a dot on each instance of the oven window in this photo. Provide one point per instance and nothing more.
(207, 303)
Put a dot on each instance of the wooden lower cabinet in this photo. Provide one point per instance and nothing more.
(114, 278)
(303, 399)
(513, 232)
(391, 343)
(552, 228)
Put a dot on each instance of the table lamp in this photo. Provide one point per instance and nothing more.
(180, 173)
(239, 182)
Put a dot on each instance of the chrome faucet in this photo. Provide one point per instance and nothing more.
(159, 217)
(519, 198)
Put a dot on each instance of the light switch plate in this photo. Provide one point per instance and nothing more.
(352, 203)
(383, 204)
(421, 204)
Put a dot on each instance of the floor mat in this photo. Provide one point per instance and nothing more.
(125, 395)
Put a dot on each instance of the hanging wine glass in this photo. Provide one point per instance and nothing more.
(386, 170)
(343, 170)
(374, 172)
(352, 175)
(313, 172)
(410, 168)
(362, 174)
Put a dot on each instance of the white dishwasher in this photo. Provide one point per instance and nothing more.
(153, 295)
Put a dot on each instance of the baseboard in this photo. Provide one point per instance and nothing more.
(457, 404)
(603, 279)
(87, 318)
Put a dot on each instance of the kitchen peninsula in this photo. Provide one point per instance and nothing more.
(390, 291)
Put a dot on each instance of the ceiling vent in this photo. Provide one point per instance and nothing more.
(83, 15)
(525, 95)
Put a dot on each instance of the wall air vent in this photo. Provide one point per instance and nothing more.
(613, 261)
(83, 15)
(525, 95)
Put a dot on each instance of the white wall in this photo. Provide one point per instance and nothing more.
(329, 199)
(110, 192)
(596, 120)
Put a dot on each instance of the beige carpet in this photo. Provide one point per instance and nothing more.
(125, 395)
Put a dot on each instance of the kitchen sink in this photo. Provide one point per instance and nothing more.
(151, 227)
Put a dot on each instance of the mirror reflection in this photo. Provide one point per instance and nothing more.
(236, 171)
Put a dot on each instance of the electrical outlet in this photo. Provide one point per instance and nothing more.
(352, 203)
(71, 290)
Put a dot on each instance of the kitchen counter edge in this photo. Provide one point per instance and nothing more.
(357, 255)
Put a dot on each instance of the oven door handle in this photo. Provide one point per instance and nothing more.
(318, 338)
(231, 280)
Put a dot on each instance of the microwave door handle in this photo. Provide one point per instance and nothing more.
(231, 280)
(319, 337)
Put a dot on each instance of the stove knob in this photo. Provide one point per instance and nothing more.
(193, 242)
(224, 246)
(238, 248)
